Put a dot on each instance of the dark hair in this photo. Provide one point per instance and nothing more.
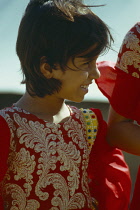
(58, 30)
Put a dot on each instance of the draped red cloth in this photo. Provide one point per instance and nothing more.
(120, 83)
(111, 179)
(121, 89)
(123, 93)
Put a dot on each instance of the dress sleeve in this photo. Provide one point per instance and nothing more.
(120, 82)
(4, 149)
(121, 89)
(110, 178)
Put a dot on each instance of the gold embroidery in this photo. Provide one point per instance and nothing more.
(23, 166)
(135, 74)
(19, 199)
(85, 180)
(131, 41)
(70, 157)
(51, 154)
(75, 131)
(130, 57)
(61, 197)
(138, 27)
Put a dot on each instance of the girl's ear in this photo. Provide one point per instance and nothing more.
(46, 70)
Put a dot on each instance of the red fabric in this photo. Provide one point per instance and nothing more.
(48, 158)
(107, 169)
(110, 175)
(4, 146)
(135, 203)
(121, 89)
(120, 83)
(4, 150)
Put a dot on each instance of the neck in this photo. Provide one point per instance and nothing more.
(48, 108)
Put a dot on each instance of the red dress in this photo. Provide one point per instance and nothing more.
(120, 83)
(52, 166)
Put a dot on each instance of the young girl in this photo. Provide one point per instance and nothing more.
(53, 156)
(121, 84)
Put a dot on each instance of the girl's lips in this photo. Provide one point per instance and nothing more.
(85, 86)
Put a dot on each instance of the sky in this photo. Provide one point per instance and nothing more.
(119, 15)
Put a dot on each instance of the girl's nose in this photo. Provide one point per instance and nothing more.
(94, 73)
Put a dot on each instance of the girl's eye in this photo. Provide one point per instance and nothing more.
(87, 63)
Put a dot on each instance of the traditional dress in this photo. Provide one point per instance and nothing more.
(62, 166)
(120, 83)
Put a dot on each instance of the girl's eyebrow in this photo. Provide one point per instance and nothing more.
(88, 51)
(82, 58)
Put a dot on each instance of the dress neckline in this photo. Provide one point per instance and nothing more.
(40, 119)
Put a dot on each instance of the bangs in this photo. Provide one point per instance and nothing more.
(97, 50)
(93, 39)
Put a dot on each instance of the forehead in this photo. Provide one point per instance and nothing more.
(88, 54)
(88, 51)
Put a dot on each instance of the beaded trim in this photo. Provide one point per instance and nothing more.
(91, 123)
(95, 204)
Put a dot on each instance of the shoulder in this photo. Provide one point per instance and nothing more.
(3, 114)
(4, 144)
(92, 115)
(4, 128)
(3, 125)
(99, 117)
(96, 127)
(89, 113)
(98, 113)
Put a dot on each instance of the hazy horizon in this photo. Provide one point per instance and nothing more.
(119, 15)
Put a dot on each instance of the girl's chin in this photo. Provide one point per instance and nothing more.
(78, 100)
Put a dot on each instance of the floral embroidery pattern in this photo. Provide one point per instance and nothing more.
(23, 166)
(129, 55)
(130, 58)
(47, 163)
(19, 199)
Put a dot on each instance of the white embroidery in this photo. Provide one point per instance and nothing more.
(130, 59)
(57, 162)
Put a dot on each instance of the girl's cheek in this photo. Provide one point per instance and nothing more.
(86, 74)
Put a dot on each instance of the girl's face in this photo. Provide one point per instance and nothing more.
(75, 83)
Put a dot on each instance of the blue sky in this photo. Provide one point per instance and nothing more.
(120, 16)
